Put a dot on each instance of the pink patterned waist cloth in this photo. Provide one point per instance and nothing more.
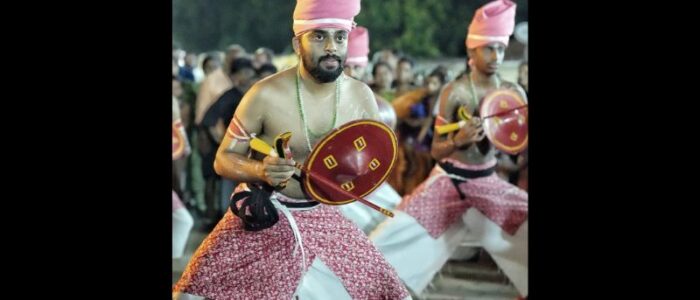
(232, 263)
(436, 203)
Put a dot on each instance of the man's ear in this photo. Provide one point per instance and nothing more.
(471, 53)
(295, 45)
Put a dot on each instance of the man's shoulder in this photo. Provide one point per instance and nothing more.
(358, 86)
(508, 84)
(457, 89)
(273, 84)
(514, 86)
(269, 91)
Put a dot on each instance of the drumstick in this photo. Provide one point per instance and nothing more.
(442, 129)
(504, 112)
(463, 115)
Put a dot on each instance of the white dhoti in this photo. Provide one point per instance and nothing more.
(367, 218)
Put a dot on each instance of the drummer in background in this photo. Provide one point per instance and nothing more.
(429, 223)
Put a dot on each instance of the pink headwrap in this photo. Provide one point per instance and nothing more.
(358, 47)
(493, 22)
(312, 14)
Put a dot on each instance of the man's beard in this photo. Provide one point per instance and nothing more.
(319, 73)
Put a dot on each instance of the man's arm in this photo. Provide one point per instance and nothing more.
(472, 132)
(370, 106)
(180, 128)
(443, 146)
(231, 157)
(202, 101)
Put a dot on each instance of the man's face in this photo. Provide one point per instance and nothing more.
(211, 66)
(355, 71)
(234, 54)
(404, 72)
(323, 52)
(488, 58)
(261, 59)
(383, 77)
(191, 60)
(433, 83)
(244, 79)
(522, 76)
